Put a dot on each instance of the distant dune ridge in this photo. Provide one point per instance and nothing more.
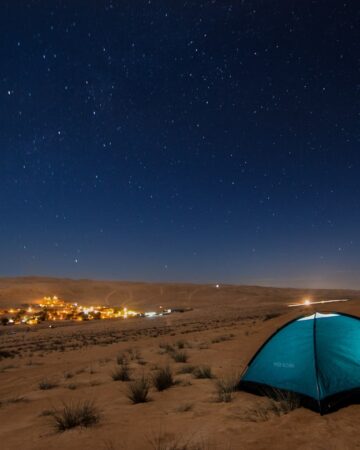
(20, 290)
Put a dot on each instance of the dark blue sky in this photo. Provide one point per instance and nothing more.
(185, 140)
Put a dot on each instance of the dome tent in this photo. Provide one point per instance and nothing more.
(316, 356)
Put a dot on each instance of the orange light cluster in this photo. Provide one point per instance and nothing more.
(55, 309)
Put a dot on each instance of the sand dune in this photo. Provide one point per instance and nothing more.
(16, 291)
(223, 330)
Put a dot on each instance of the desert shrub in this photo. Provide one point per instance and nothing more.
(46, 413)
(180, 356)
(82, 414)
(225, 388)
(134, 353)
(181, 344)
(222, 338)
(278, 404)
(283, 402)
(186, 369)
(163, 379)
(122, 358)
(167, 348)
(138, 390)
(203, 372)
(68, 375)
(6, 354)
(46, 384)
(121, 373)
(270, 316)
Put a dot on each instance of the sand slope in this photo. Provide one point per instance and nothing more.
(222, 332)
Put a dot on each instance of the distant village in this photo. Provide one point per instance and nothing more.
(53, 309)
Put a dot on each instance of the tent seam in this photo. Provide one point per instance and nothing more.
(316, 365)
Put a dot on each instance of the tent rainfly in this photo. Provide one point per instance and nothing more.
(316, 356)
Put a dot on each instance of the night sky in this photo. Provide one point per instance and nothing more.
(204, 141)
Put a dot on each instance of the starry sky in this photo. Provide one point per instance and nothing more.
(203, 141)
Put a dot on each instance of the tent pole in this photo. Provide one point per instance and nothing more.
(316, 367)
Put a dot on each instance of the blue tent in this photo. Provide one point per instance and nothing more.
(317, 356)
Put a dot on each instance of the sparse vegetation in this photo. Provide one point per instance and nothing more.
(203, 372)
(167, 348)
(222, 338)
(82, 414)
(181, 344)
(283, 401)
(186, 369)
(163, 379)
(138, 390)
(6, 354)
(47, 384)
(225, 387)
(180, 356)
(278, 403)
(68, 375)
(271, 316)
(122, 358)
(121, 373)
(134, 353)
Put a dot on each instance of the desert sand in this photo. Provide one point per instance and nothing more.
(222, 331)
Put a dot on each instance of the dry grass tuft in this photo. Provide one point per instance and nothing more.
(277, 404)
(225, 387)
(203, 372)
(163, 379)
(179, 356)
(186, 369)
(138, 390)
(47, 384)
(167, 348)
(83, 414)
(222, 338)
(122, 358)
(121, 373)
(134, 353)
